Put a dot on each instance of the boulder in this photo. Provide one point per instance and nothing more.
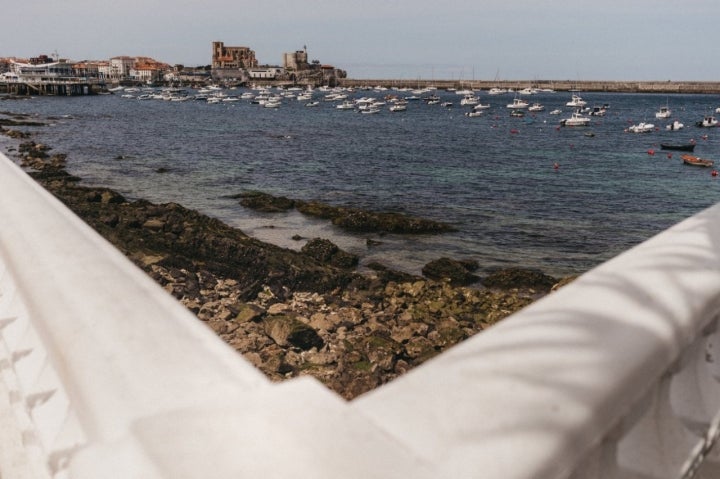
(459, 273)
(265, 203)
(286, 330)
(325, 251)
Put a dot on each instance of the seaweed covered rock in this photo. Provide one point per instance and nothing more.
(447, 269)
(327, 252)
(264, 202)
(521, 278)
(351, 219)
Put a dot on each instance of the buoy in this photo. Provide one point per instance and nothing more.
(704, 137)
(556, 165)
(651, 151)
(669, 155)
(714, 173)
(514, 131)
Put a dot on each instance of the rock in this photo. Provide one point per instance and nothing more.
(457, 272)
(325, 251)
(521, 278)
(286, 330)
(154, 224)
(249, 312)
(265, 203)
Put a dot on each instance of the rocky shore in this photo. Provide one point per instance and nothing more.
(296, 313)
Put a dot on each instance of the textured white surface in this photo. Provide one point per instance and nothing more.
(103, 374)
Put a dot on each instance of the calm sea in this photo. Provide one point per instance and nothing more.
(492, 177)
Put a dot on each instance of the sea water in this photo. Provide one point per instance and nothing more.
(520, 191)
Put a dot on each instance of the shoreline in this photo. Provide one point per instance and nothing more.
(291, 313)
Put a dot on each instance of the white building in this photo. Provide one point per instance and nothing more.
(266, 73)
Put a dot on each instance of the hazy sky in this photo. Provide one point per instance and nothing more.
(404, 39)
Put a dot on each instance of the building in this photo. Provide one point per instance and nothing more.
(232, 57)
(265, 73)
(44, 72)
(120, 67)
(296, 61)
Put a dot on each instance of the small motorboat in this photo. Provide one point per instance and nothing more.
(707, 122)
(696, 161)
(663, 112)
(576, 101)
(684, 147)
(576, 119)
(641, 127)
(536, 107)
(518, 104)
(675, 125)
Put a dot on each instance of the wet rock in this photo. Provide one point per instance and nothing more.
(326, 251)
(522, 278)
(446, 269)
(266, 203)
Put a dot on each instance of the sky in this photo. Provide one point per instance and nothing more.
(389, 39)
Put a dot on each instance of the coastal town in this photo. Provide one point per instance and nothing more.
(236, 66)
(230, 65)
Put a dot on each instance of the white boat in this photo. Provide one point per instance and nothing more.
(473, 113)
(707, 122)
(556, 111)
(481, 106)
(528, 91)
(576, 101)
(598, 111)
(536, 107)
(663, 112)
(496, 91)
(470, 100)
(576, 119)
(346, 105)
(676, 125)
(641, 127)
(518, 104)
(398, 107)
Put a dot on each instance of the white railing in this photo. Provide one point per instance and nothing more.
(104, 375)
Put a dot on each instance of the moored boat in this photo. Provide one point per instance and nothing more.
(696, 161)
(536, 107)
(675, 125)
(641, 127)
(663, 112)
(576, 119)
(518, 104)
(684, 147)
(576, 101)
(707, 122)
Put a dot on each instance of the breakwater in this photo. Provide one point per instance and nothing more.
(557, 85)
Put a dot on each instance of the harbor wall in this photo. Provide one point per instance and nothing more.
(710, 87)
